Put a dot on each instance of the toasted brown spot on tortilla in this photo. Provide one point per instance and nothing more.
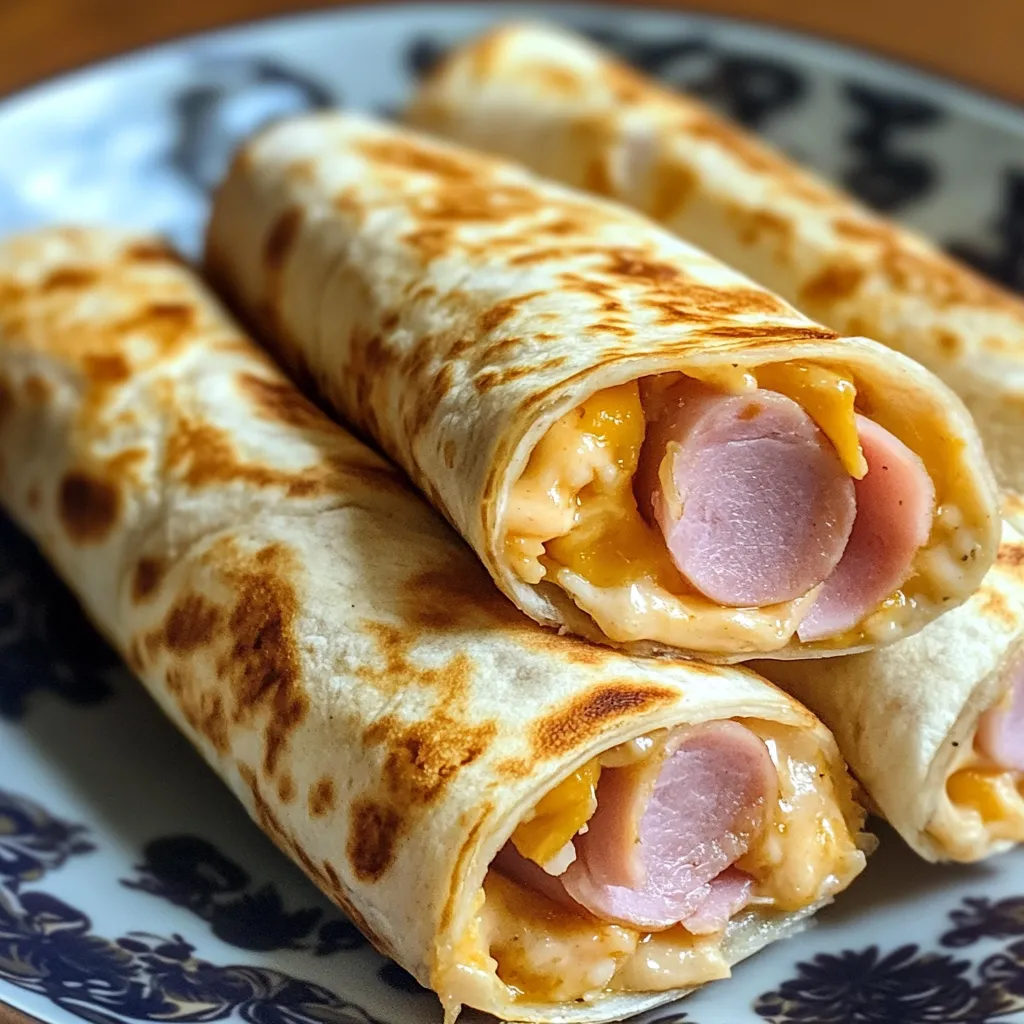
(106, 368)
(374, 830)
(149, 574)
(672, 185)
(281, 238)
(152, 252)
(450, 451)
(995, 606)
(286, 788)
(68, 277)
(562, 731)
(322, 797)
(204, 711)
(34, 497)
(484, 382)
(192, 622)
(455, 597)
(280, 400)
(7, 403)
(88, 507)
(756, 225)
(1011, 555)
(502, 310)
(424, 756)
(263, 663)
(38, 389)
(332, 874)
(837, 281)
(950, 343)
(769, 334)
(410, 155)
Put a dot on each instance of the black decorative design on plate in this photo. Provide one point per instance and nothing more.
(400, 979)
(192, 873)
(1003, 261)
(48, 947)
(883, 176)
(747, 88)
(46, 643)
(225, 102)
(911, 986)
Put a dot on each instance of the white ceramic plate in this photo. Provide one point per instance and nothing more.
(132, 887)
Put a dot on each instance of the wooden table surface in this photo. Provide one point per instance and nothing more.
(977, 41)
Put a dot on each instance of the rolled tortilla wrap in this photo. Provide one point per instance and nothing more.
(642, 446)
(934, 726)
(566, 109)
(343, 662)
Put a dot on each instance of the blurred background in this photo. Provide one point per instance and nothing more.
(976, 41)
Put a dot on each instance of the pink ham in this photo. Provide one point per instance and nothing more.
(663, 833)
(895, 503)
(730, 893)
(764, 506)
(1000, 734)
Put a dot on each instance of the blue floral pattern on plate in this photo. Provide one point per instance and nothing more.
(111, 826)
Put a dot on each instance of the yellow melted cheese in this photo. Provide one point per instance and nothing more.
(559, 815)
(542, 951)
(982, 807)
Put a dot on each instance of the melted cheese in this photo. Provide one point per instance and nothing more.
(828, 398)
(573, 520)
(807, 852)
(981, 809)
(559, 815)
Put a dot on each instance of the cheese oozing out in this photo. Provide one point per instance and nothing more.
(572, 520)
(537, 950)
(981, 810)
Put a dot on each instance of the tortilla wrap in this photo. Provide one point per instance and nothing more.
(547, 98)
(907, 717)
(340, 657)
(518, 349)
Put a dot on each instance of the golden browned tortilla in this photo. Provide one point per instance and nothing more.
(333, 650)
(470, 316)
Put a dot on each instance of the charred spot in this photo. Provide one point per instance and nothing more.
(409, 155)
(322, 798)
(389, 322)
(264, 659)
(281, 401)
(38, 390)
(147, 577)
(163, 322)
(374, 831)
(7, 403)
(286, 788)
(672, 186)
(835, 282)
(281, 238)
(636, 267)
(503, 310)
(152, 252)
(191, 623)
(769, 334)
(88, 506)
(484, 382)
(1010, 555)
(65, 278)
(756, 225)
(950, 343)
(868, 231)
(450, 451)
(106, 369)
(564, 730)
(454, 598)
(34, 497)
(423, 757)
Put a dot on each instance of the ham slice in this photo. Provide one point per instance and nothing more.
(660, 847)
(666, 828)
(762, 508)
(895, 503)
(1000, 734)
(730, 893)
